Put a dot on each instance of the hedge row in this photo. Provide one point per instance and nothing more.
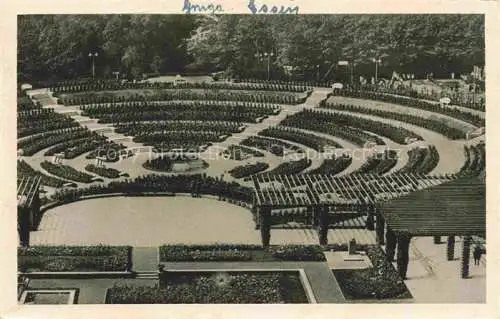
(74, 258)
(179, 253)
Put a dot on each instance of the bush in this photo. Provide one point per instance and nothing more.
(103, 171)
(247, 170)
(299, 253)
(379, 282)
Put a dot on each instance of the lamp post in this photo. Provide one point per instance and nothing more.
(377, 61)
(317, 72)
(92, 56)
(267, 55)
(116, 73)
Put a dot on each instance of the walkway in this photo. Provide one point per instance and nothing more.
(144, 259)
(434, 279)
(451, 153)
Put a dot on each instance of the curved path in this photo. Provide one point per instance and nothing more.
(408, 110)
(451, 153)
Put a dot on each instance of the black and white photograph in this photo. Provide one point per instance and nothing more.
(251, 159)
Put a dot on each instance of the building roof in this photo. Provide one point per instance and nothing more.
(456, 207)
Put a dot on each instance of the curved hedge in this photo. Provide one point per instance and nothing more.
(247, 170)
(432, 125)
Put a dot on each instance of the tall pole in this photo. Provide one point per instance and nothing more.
(92, 56)
(268, 66)
(376, 72)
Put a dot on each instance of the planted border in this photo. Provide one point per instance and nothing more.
(73, 258)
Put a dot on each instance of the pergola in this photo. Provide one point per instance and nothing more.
(405, 205)
(28, 206)
(456, 208)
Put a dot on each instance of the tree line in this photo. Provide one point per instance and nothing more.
(309, 46)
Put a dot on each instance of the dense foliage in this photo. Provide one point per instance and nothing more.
(421, 160)
(107, 172)
(378, 282)
(178, 253)
(66, 172)
(25, 170)
(33, 144)
(437, 125)
(313, 141)
(235, 287)
(333, 166)
(154, 183)
(240, 152)
(272, 145)
(73, 258)
(350, 127)
(58, 45)
(248, 169)
(379, 163)
(416, 103)
(475, 160)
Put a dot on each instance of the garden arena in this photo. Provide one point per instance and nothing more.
(253, 163)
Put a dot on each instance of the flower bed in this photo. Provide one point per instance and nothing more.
(72, 86)
(415, 102)
(421, 160)
(290, 168)
(271, 145)
(211, 112)
(41, 120)
(103, 171)
(179, 253)
(327, 123)
(161, 183)
(66, 172)
(135, 95)
(25, 170)
(310, 140)
(379, 163)
(239, 152)
(249, 169)
(333, 166)
(73, 258)
(218, 287)
(34, 144)
(439, 126)
(379, 282)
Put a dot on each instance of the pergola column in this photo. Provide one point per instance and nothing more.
(450, 249)
(323, 225)
(316, 211)
(466, 256)
(265, 225)
(370, 223)
(23, 225)
(437, 239)
(390, 244)
(403, 254)
(380, 229)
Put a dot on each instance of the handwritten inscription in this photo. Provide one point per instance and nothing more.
(265, 9)
(196, 8)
